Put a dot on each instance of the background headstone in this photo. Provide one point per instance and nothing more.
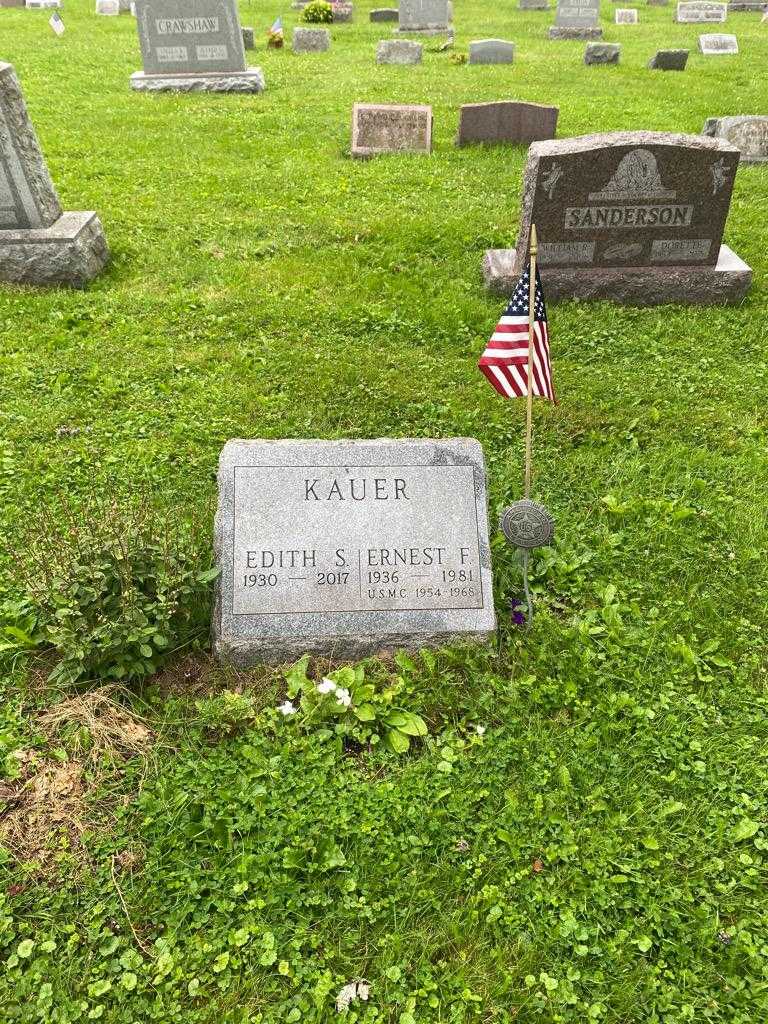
(430, 17)
(383, 14)
(747, 132)
(391, 128)
(342, 13)
(626, 16)
(349, 548)
(491, 51)
(11, 3)
(602, 53)
(658, 3)
(507, 121)
(310, 40)
(110, 7)
(249, 37)
(631, 216)
(39, 242)
(533, 5)
(716, 44)
(669, 60)
(398, 51)
(577, 19)
(696, 11)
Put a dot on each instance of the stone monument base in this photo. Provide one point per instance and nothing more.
(72, 251)
(727, 282)
(250, 80)
(447, 31)
(559, 32)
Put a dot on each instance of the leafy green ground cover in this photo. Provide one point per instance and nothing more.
(598, 852)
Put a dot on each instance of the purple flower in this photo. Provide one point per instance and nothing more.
(516, 611)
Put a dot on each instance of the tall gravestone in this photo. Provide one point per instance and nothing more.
(424, 17)
(192, 46)
(636, 217)
(39, 242)
(349, 548)
(577, 19)
(747, 132)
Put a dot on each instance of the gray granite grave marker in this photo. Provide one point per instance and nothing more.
(349, 548)
(383, 14)
(669, 60)
(249, 37)
(391, 128)
(747, 132)
(425, 17)
(192, 46)
(696, 11)
(602, 53)
(398, 51)
(576, 19)
(491, 51)
(108, 7)
(39, 242)
(636, 217)
(310, 40)
(626, 16)
(717, 44)
(533, 5)
(507, 121)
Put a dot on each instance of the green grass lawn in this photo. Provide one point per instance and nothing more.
(599, 852)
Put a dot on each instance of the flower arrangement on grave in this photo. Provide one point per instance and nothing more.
(275, 34)
(318, 13)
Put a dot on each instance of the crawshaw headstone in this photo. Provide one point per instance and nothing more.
(507, 121)
(718, 43)
(697, 11)
(192, 46)
(747, 132)
(391, 128)
(669, 60)
(39, 242)
(637, 217)
(491, 51)
(577, 19)
(348, 548)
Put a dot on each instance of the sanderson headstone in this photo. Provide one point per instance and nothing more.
(697, 11)
(39, 243)
(602, 53)
(626, 16)
(491, 51)
(391, 128)
(747, 132)
(669, 60)
(576, 19)
(506, 122)
(398, 51)
(383, 14)
(424, 17)
(192, 46)
(350, 548)
(310, 40)
(718, 43)
(636, 217)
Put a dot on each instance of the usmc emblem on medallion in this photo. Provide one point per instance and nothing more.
(527, 524)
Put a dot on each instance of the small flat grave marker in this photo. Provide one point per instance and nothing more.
(491, 51)
(626, 16)
(717, 44)
(398, 51)
(310, 40)
(669, 60)
(391, 128)
(577, 19)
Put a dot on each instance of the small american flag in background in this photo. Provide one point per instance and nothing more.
(505, 360)
(56, 23)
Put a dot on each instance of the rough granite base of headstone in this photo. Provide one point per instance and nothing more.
(563, 32)
(602, 53)
(725, 283)
(72, 251)
(249, 81)
(346, 549)
(669, 60)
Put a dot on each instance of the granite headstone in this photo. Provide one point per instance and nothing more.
(108, 7)
(398, 51)
(635, 217)
(391, 128)
(697, 11)
(602, 53)
(426, 17)
(576, 19)
(533, 5)
(717, 44)
(491, 51)
(747, 132)
(310, 40)
(669, 60)
(383, 14)
(507, 121)
(350, 548)
(626, 16)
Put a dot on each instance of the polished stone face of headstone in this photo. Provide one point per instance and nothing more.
(190, 36)
(348, 548)
(310, 40)
(398, 51)
(626, 16)
(701, 11)
(602, 53)
(576, 19)
(491, 51)
(391, 128)
(718, 43)
(423, 14)
(506, 122)
(669, 60)
(748, 132)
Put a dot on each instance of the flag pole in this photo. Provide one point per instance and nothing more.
(532, 249)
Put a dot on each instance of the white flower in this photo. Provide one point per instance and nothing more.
(343, 697)
(480, 730)
(354, 990)
(327, 686)
(287, 708)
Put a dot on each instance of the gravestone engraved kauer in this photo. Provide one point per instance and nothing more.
(192, 46)
(424, 17)
(507, 121)
(348, 548)
(39, 242)
(747, 132)
(577, 19)
(391, 128)
(491, 51)
(696, 11)
(636, 217)
(669, 60)
(718, 43)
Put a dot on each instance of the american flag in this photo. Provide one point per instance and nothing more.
(505, 360)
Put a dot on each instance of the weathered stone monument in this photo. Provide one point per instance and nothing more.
(192, 46)
(491, 51)
(398, 51)
(507, 121)
(636, 217)
(717, 44)
(747, 132)
(577, 19)
(424, 17)
(349, 548)
(602, 53)
(696, 11)
(669, 60)
(383, 14)
(391, 128)
(626, 16)
(40, 244)
(310, 40)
